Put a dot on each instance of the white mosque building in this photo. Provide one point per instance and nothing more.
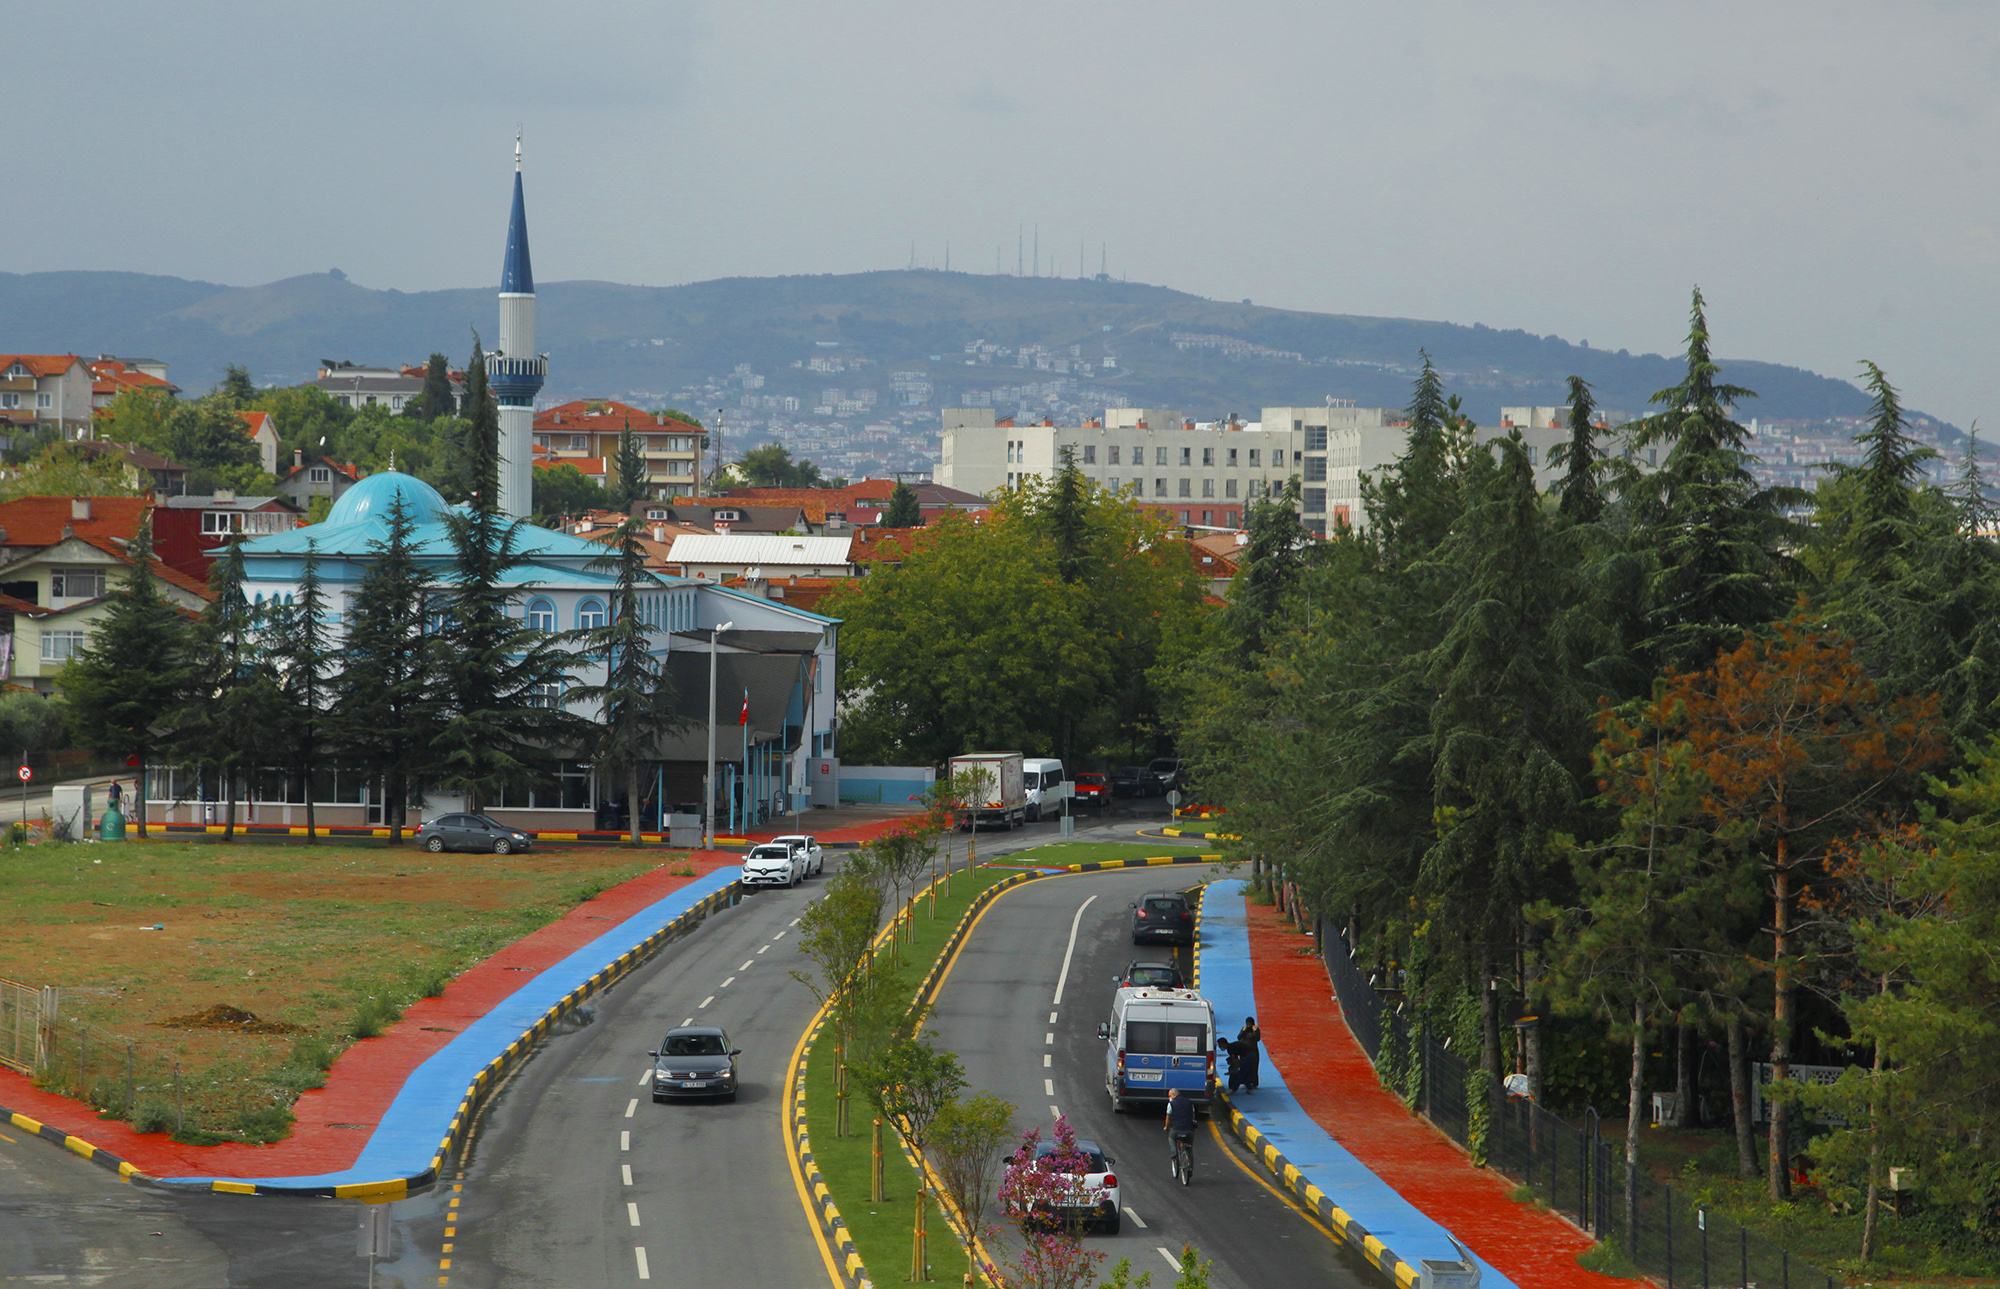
(777, 660)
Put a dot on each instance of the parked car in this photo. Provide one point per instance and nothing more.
(695, 1061)
(470, 832)
(1151, 975)
(815, 858)
(1162, 915)
(1167, 771)
(772, 863)
(1090, 1199)
(1092, 789)
(1132, 781)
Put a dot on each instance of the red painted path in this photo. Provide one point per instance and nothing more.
(1335, 1083)
(335, 1122)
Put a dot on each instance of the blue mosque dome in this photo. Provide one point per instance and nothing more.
(376, 495)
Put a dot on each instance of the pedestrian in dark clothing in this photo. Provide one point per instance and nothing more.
(1247, 1039)
(1235, 1051)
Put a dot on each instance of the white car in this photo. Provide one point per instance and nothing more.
(772, 864)
(815, 858)
(1088, 1198)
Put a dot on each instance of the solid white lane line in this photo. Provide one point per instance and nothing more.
(705, 1002)
(632, 1213)
(1048, 1059)
(727, 983)
(625, 1171)
(748, 961)
(625, 1140)
(1048, 1039)
(1172, 1261)
(631, 1107)
(1063, 979)
(1048, 1087)
(645, 1272)
(1137, 1221)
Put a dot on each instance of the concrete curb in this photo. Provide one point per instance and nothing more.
(1288, 1175)
(828, 1213)
(1199, 836)
(462, 1117)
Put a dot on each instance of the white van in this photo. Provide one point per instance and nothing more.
(1048, 787)
(1158, 1039)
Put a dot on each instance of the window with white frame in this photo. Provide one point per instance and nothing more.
(1090, 454)
(541, 615)
(76, 583)
(590, 614)
(45, 401)
(319, 474)
(61, 646)
(216, 523)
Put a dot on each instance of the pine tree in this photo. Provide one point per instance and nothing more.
(630, 470)
(1977, 511)
(903, 511)
(1427, 412)
(384, 702)
(1065, 516)
(478, 468)
(501, 708)
(1716, 537)
(237, 389)
(436, 399)
(637, 700)
(1268, 572)
(302, 654)
(1580, 459)
(223, 723)
(1879, 526)
(125, 681)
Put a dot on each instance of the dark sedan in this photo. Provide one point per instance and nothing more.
(470, 832)
(1162, 915)
(1133, 781)
(695, 1061)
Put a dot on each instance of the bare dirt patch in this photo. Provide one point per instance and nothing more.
(233, 1020)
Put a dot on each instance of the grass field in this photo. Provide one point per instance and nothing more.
(320, 943)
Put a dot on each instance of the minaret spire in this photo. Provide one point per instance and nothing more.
(515, 373)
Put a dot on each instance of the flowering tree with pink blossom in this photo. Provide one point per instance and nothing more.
(1035, 1192)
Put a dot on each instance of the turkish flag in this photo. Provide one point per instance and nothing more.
(744, 719)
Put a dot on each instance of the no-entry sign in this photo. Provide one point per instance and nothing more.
(25, 773)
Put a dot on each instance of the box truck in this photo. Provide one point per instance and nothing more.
(1000, 797)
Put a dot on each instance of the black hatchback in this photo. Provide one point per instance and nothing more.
(1162, 915)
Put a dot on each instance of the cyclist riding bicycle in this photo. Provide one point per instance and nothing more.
(1180, 1122)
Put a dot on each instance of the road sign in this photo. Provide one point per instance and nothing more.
(25, 773)
(1174, 798)
(133, 759)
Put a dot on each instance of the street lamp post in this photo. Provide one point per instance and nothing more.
(708, 783)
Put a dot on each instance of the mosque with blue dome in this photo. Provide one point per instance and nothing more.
(774, 666)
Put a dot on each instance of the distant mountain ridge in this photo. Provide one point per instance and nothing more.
(1172, 349)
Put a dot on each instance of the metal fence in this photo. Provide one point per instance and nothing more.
(1574, 1170)
(115, 1074)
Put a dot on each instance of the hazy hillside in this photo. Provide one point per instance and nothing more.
(623, 341)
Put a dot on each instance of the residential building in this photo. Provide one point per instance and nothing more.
(394, 388)
(589, 429)
(716, 557)
(724, 515)
(45, 390)
(258, 426)
(110, 377)
(316, 476)
(188, 531)
(143, 467)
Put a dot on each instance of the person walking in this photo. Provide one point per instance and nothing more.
(1247, 1039)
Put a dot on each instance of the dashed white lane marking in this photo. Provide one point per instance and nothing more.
(793, 922)
(748, 961)
(1048, 1087)
(632, 1213)
(631, 1107)
(625, 1171)
(761, 949)
(688, 1021)
(644, 1077)
(1137, 1221)
(1048, 1059)
(1054, 1113)
(1052, 1018)
(725, 985)
(625, 1140)
(645, 1272)
(1069, 952)
(1172, 1261)
(706, 1001)
(1049, 1039)
(777, 937)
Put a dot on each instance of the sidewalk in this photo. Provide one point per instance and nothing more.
(389, 1101)
(1328, 1076)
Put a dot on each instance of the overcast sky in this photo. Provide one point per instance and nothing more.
(1826, 171)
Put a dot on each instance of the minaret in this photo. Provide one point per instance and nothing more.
(514, 370)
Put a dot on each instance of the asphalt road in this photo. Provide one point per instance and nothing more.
(999, 1012)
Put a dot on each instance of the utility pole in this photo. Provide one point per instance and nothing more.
(708, 782)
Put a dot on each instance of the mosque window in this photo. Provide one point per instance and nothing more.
(590, 614)
(541, 615)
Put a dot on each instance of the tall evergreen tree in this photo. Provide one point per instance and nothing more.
(1880, 525)
(123, 684)
(224, 721)
(629, 470)
(1428, 410)
(1977, 511)
(384, 704)
(478, 467)
(436, 398)
(237, 389)
(502, 717)
(1066, 517)
(303, 657)
(637, 700)
(1717, 539)
(903, 511)
(1581, 460)
(1269, 571)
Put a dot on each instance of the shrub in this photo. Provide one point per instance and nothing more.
(263, 1126)
(311, 1051)
(1608, 1259)
(374, 1014)
(427, 980)
(152, 1114)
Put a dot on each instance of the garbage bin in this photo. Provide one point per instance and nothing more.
(112, 826)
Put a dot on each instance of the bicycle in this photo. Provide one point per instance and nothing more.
(1184, 1157)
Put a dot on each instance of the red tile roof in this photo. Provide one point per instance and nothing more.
(351, 470)
(39, 521)
(594, 466)
(605, 415)
(110, 376)
(40, 364)
(165, 572)
(254, 421)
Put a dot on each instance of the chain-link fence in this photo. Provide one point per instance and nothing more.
(123, 1078)
(1667, 1235)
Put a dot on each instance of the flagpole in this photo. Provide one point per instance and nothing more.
(744, 721)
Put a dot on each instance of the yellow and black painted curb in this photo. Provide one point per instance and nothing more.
(462, 1118)
(1288, 1175)
(1199, 836)
(824, 1211)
